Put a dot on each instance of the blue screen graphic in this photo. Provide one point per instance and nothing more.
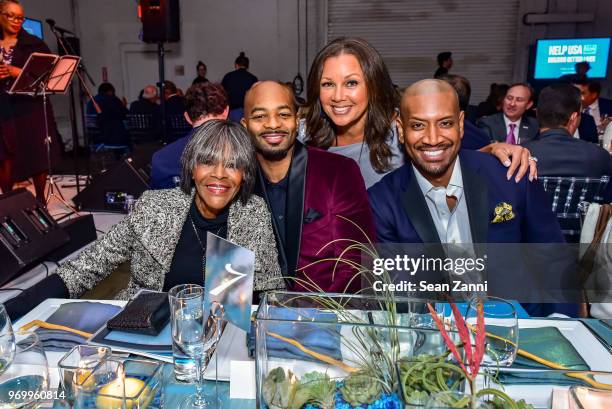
(33, 27)
(555, 58)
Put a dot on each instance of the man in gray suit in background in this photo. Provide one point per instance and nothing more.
(512, 125)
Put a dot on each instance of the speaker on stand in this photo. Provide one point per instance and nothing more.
(160, 24)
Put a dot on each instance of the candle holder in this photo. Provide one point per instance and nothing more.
(129, 384)
(78, 364)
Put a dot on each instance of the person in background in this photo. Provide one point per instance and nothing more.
(512, 125)
(236, 84)
(445, 62)
(351, 107)
(148, 104)
(581, 68)
(317, 199)
(593, 104)
(23, 149)
(201, 78)
(494, 102)
(164, 238)
(111, 119)
(203, 102)
(558, 153)
(474, 138)
(175, 102)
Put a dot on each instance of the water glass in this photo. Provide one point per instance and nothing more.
(25, 382)
(501, 326)
(7, 340)
(196, 337)
(455, 399)
(184, 366)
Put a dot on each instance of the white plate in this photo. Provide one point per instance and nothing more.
(593, 353)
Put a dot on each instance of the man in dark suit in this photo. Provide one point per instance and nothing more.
(474, 138)
(175, 104)
(237, 83)
(558, 153)
(450, 196)
(592, 103)
(317, 199)
(148, 104)
(203, 102)
(512, 125)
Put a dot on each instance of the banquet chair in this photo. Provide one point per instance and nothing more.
(567, 193)
(141, 127)
(177, 127)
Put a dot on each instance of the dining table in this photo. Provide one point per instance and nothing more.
(591, 338)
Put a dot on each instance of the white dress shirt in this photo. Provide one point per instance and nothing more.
(453, 226)
(517, 125)
(593, 110)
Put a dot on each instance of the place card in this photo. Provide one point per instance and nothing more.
(242, 380)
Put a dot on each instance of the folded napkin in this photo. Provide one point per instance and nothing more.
(548, 343)
(313, 329)
(601, 329)
(85, 316)
(552, 377)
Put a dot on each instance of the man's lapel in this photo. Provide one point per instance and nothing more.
(295, 205)
(523, 132)
(477, 200)
(501, 128)
(416, 208)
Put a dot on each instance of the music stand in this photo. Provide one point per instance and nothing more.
(45, 74)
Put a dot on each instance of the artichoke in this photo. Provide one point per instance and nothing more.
(360, 388)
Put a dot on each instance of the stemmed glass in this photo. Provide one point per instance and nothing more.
(26, 381)
(501, 326)
(196, 337)
(7, 340)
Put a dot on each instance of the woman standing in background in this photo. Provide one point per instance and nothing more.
(23, 151)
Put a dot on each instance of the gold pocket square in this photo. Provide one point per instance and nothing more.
(503, 212)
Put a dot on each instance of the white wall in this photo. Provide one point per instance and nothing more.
(212, 31)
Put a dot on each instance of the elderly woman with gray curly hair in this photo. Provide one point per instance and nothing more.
(165, 235)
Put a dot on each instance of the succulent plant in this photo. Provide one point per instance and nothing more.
(278, 390)
(360, 388)
(321, 389)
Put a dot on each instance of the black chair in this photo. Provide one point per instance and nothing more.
(141, 127)
(177, 127)
(567, 193)
(92, 129)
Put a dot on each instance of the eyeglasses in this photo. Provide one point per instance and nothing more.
(12, 17)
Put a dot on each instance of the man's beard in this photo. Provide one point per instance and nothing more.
(273, 153)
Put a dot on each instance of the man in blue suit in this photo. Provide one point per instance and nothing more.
(203, 102)
(450, 196)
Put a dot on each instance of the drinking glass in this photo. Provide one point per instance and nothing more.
(501, 326)
(7, 340)
(26, 381)
(196, 337)
(454, 399)
(184, 366)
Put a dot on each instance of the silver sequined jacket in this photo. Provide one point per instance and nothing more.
(149, 235)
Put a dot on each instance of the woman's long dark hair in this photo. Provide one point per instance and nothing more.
(383, 99)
